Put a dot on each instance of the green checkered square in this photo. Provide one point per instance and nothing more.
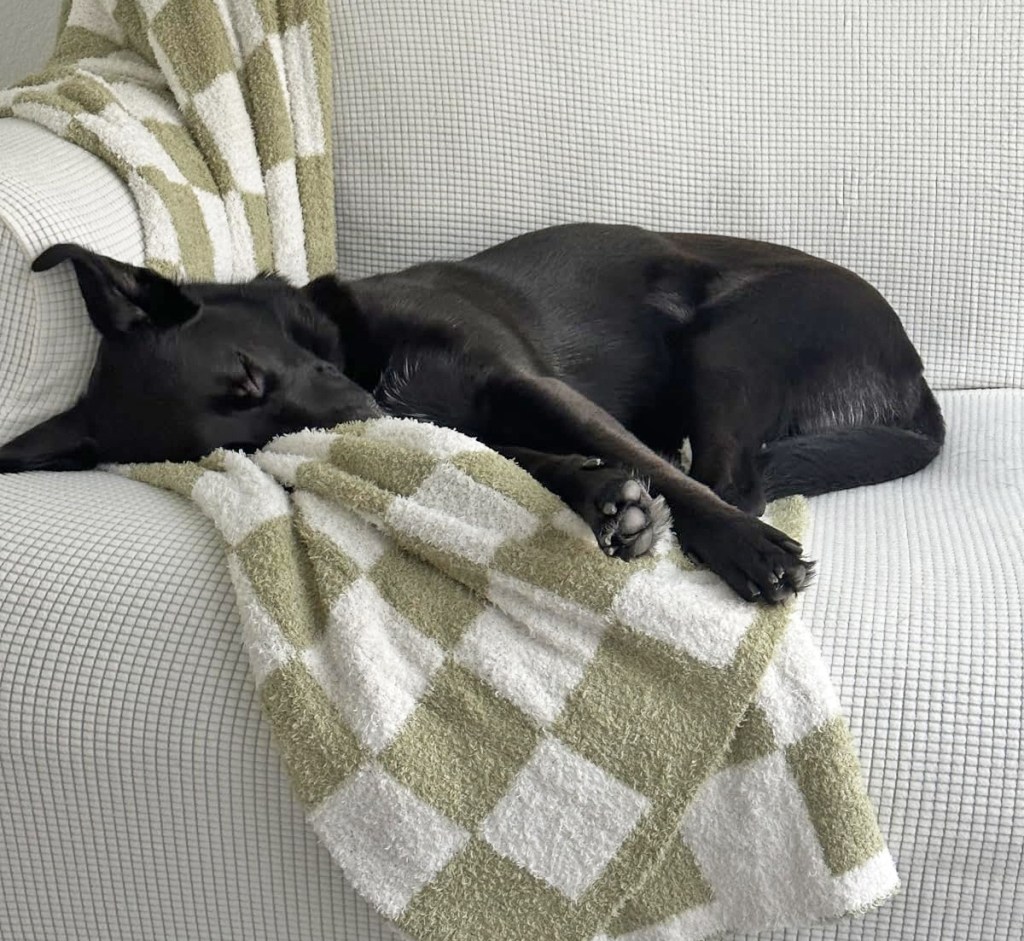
(480, 893)
(281, 574)
(333, 572)
(438, 605)
(261, 82)
(754, 737)
(501, 475)
(824, 765)
(393, 468)
(676, 885)
(462, 747)
(559, 563)
(196, 64)
(318, 748)
(654, 717)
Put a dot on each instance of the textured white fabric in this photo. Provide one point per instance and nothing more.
(51, 191)
(883, 136)
(127, 795)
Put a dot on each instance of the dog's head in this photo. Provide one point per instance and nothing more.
(186, 368)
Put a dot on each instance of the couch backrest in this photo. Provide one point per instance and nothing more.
(884, 136)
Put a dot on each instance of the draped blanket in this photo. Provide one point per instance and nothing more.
(499, 732)
(215, 113)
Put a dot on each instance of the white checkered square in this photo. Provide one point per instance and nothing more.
(241, 499)
(152, 7)
(373, 664)
(157, 223)
(535, 664)
(353, 822)
(752, 836)
(221, 106)
(297, 46)
(215, 218)
(287, 453)
(245, 21)
(563, 818)
(97, 18)
(360, 541)
(142, 103)
(796, 693)
(430, 439)
(452, 511)
(242, 244)
(697, 614)
(282, 189)
(126, 136)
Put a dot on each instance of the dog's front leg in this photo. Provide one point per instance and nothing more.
(612, 499)
(544, 415)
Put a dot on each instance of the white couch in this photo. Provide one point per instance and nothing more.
(140, 796)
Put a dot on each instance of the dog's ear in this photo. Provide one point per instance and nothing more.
(331, 297)
(118, 296)
(59, 443)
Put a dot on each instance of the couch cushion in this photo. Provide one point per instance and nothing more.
(51, 191)
(919, 607)
(880, 135)
(140, 796)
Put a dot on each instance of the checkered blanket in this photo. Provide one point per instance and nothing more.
(215, 113)
(498, 732)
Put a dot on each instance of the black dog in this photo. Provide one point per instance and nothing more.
(585, 352)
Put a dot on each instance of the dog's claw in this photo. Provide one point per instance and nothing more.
(757, 561)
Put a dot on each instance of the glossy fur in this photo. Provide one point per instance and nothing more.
(588, 353)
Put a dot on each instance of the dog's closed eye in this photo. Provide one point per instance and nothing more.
(249, 384)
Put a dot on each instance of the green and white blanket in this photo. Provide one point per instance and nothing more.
(497, 731)
(500, 733)
(216, 113)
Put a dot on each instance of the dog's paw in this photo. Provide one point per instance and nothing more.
(625, 518)
(754, 559)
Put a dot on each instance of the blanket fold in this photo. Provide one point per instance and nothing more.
(499, 732)
(216, 113)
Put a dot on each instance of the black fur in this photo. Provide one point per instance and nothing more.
(588, 353)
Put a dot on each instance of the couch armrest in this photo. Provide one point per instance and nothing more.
(51, 191)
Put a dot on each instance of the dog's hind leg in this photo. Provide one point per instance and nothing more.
(727, 426)
(729, 468)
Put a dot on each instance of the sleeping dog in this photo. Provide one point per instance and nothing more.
(587, 353)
